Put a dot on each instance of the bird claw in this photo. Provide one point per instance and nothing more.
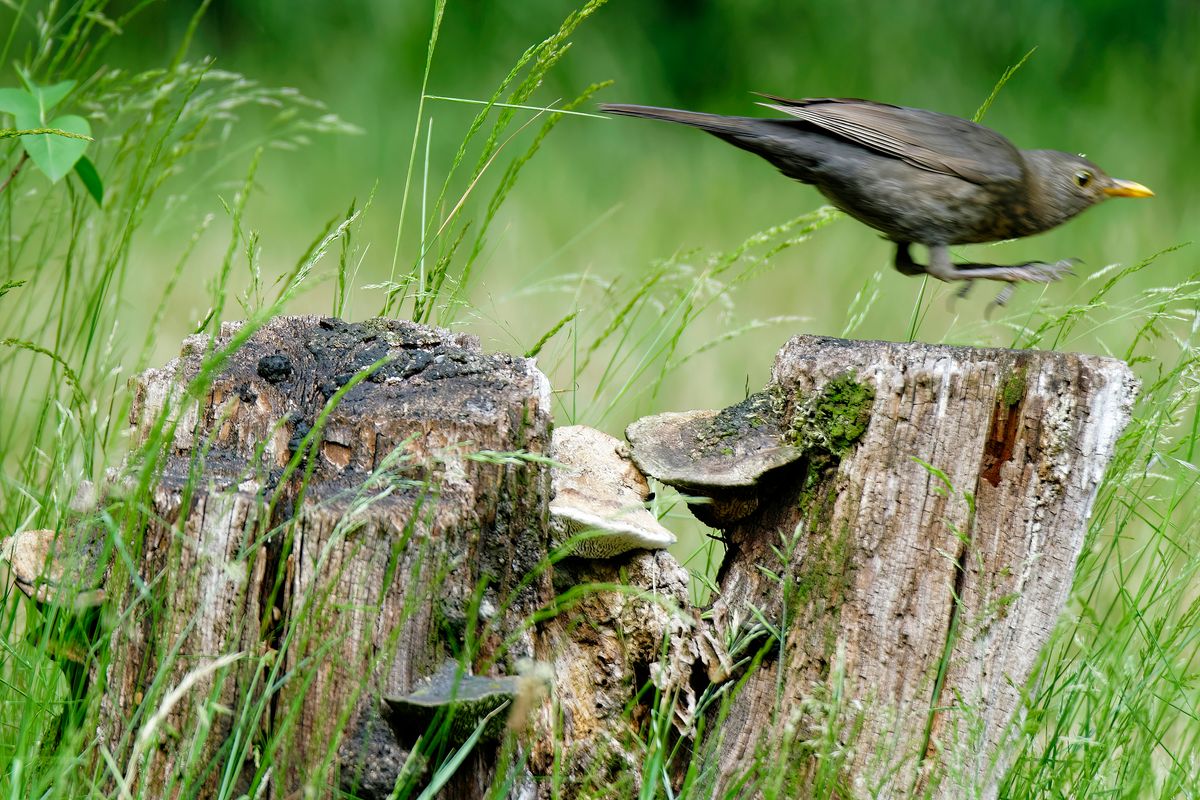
(1034, 272)
(1042, 272)
(1002, 297)
(961, 294)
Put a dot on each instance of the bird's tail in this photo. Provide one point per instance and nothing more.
(713, 123)
(787, 143)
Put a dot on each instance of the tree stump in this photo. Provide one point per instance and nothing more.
(343, 507)
(306, 593)
(904, 520)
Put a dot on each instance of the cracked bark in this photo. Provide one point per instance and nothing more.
(367, 569)
(929, 563)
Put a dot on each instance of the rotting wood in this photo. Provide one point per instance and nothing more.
(349, 581)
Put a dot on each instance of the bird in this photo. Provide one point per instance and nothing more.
(918, 177)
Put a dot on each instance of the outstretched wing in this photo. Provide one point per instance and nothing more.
(925, 139)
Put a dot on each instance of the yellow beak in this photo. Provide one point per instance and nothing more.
(1120, 188)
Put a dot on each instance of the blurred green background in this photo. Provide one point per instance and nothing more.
(1115, 80)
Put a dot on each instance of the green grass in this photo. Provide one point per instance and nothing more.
(586, 256)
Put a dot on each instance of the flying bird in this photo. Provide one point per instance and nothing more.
(919, 177)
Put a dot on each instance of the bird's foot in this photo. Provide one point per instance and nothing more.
(1001, 299)
(1029, 272)
(943, 268)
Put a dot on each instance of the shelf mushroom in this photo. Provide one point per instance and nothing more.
(719, 458)
(599, 505)
(45, 573)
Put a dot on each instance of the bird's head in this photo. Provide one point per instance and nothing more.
(1068, 184)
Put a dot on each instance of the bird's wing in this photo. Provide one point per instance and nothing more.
(925, 139)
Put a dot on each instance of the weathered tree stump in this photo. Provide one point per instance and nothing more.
(348, 577)
(907, 518)
(346, 506)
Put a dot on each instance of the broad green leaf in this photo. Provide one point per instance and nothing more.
(50, 96)
(28, 117)
(56, 155)
(46, 97)
(86, 171)
(19, 103)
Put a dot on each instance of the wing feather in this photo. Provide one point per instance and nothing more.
(926, 139)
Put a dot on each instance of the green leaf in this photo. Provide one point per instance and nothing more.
(50, 96)
(45, 97)
(8, 286)
(86, 171)
(55, 155)
(19, 103)
(29, 117)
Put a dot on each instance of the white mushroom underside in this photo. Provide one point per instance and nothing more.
(605, 537)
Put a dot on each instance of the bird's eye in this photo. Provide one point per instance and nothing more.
(1083, 178)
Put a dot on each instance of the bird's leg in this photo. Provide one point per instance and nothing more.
(904, 262)
(941, 267)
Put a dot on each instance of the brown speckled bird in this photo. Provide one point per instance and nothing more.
(918, 176)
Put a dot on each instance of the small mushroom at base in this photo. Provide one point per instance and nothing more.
(597, 488)
(39, 567)
(52, 569)
(473, 700)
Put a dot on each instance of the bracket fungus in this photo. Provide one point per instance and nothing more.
(471, 700)
(61, 577)
(719, 458)
(599, 493)
(46, 573)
